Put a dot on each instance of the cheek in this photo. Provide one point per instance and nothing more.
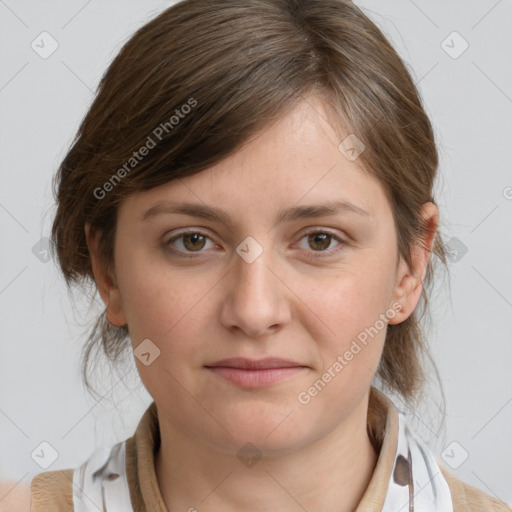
(351, 297)
(160, 302)
(166, 309)
(346, 313)
(350, 338)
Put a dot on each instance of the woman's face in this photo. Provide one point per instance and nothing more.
(277, 278)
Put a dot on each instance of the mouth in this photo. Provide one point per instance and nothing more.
(254, 373)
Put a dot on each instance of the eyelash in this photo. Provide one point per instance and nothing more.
(314, 255)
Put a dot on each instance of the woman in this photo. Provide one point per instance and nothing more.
(252, 193)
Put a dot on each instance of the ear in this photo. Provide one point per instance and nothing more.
(409, 282)
(105, 282)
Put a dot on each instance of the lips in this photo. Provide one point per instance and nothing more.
(254, 364)
(255, 373)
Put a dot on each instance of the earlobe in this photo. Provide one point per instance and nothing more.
(105, 283)
(409, 281)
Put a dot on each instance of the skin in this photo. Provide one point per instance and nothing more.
(14, 496)
(298, 300)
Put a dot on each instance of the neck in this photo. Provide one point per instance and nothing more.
(331, 474)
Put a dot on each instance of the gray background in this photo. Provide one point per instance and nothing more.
(42, 100)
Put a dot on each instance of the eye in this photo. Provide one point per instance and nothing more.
(188, 242)
(319, 241)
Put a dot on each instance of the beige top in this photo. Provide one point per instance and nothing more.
(53, 490)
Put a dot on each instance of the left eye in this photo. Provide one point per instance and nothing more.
(195, 241)
(320, 240)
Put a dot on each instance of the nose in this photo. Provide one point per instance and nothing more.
(256, 299)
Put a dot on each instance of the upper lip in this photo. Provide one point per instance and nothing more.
(254, 364)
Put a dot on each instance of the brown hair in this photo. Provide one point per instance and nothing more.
(202, 78)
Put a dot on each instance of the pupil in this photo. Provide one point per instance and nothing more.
(194, 237)
(320, 238)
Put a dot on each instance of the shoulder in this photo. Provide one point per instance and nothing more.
(467, 498)
(52, 490)
(14, 497)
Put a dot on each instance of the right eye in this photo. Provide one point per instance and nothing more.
(191, 241)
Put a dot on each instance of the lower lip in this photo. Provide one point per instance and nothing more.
(255, 378)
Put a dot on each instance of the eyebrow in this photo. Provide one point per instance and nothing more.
(294, 213)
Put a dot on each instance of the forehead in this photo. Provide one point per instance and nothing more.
(295, 161)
